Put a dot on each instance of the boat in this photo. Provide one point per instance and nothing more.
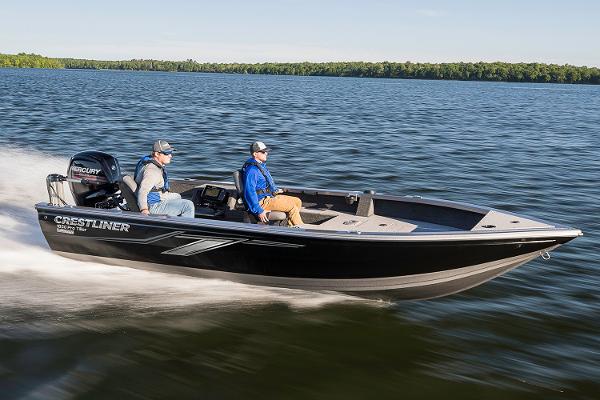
(359, 242)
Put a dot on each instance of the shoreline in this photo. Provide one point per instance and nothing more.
(460, 71)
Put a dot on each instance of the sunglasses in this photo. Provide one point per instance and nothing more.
(170, 153)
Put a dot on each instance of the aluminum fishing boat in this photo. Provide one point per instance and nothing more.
(361, 242)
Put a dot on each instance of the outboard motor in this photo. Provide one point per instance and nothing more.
(93, 177)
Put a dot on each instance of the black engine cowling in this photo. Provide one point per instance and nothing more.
(93, 179)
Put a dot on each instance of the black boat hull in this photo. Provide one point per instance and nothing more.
(403, 267)
(411, 287)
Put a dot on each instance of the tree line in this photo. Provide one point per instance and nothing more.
(479, 71)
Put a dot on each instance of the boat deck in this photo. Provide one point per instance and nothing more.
(338, 221)
(331, 211)
(349, 222)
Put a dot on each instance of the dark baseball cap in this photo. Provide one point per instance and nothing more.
(162, 146)
(258, 146)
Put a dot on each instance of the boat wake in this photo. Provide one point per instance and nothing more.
(35, 281)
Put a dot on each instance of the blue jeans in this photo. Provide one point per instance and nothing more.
(174, 207)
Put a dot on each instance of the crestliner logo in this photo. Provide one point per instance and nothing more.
(81, 224)
(85, 170)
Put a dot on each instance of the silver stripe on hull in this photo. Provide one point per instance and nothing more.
(412, 287)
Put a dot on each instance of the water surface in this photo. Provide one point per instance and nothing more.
(80, 330)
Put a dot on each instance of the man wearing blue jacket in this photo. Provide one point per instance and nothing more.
(260, 192)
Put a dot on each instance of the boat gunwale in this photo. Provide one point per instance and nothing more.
(551, 232)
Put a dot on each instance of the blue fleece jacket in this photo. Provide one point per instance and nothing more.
(253, 181)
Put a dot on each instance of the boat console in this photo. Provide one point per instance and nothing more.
(211, 201)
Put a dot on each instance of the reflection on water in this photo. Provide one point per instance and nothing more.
(80, 330)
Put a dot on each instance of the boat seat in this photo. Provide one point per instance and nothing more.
(128, 188)
(277, 217)
(365, 207)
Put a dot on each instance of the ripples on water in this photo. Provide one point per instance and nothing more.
(78, 329)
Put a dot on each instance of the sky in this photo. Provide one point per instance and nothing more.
(252, 31)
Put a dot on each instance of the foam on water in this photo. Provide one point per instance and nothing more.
(34, 278)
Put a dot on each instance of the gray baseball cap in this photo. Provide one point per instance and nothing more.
(162, 146)
(258, 146)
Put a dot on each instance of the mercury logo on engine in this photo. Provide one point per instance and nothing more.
(85, 170)
(81, 224)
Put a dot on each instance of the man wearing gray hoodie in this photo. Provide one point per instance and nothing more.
(151, 176)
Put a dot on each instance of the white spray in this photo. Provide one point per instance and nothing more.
(34, 278)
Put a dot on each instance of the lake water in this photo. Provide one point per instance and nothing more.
(81, 330)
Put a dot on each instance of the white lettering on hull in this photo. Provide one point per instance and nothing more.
(64, 221)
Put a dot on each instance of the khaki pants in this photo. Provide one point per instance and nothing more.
(288, 204)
